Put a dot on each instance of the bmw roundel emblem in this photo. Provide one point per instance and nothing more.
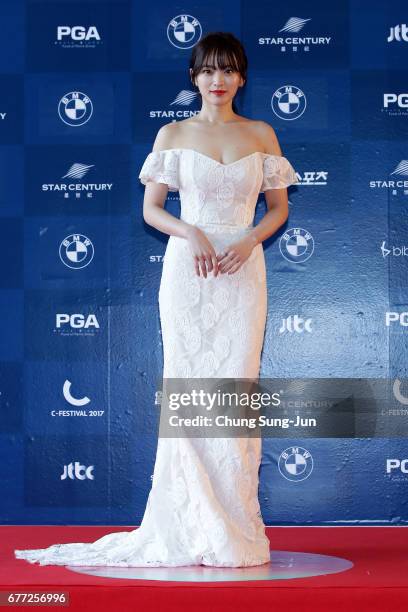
(296, 245)
(76, 251)
(75, 108)
(184, 31)
(288, 102)
(295, 463)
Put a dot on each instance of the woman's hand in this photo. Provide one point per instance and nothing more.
(205, 257)
(232, 258)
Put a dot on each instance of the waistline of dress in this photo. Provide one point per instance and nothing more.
(223, 225)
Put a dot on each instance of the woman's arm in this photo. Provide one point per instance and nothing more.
(204, 255)
(156, 193)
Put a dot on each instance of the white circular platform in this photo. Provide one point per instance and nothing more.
(284, 565)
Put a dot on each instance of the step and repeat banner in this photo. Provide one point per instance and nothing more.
(84, 88)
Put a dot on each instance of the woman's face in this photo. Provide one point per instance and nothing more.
(218, 85)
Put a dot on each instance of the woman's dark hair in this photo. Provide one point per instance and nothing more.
(223, 47)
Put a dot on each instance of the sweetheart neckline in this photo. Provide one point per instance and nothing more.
(215, 160)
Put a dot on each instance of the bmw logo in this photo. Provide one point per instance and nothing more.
(295, 463)
(288, 102)
(184, 31)
(75, 108)
(296, 245)
(76, 251)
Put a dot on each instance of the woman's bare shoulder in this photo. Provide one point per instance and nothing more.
(166, 136)
(263, 128)
(268, 137)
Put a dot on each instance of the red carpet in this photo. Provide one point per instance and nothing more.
(377, 582)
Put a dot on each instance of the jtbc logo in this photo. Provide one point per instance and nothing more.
(76, 470)
(391, 317)
(78, 32)
(395, 464)
(398, 32)
(296, 324)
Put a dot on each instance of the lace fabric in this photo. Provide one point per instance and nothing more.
(278, 173)
(203, 507)
(163, 167)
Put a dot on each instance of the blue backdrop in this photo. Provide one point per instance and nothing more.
(85, 87)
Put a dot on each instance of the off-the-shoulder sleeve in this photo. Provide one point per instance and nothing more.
(161, 167)
(277, 173)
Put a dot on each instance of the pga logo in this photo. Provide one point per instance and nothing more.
(78, 33)
(396, 464)
(393, 317)
(392, 98)
(76, 321)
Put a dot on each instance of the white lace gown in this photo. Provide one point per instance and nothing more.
(203, 506)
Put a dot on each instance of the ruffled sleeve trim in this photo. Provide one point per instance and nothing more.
(161, 167)
(277, 173)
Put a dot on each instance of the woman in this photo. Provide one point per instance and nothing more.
(203, 507)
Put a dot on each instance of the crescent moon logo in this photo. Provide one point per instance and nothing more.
(70, 398)
(397, 392)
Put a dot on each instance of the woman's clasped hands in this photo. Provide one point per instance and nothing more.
(206, 259)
